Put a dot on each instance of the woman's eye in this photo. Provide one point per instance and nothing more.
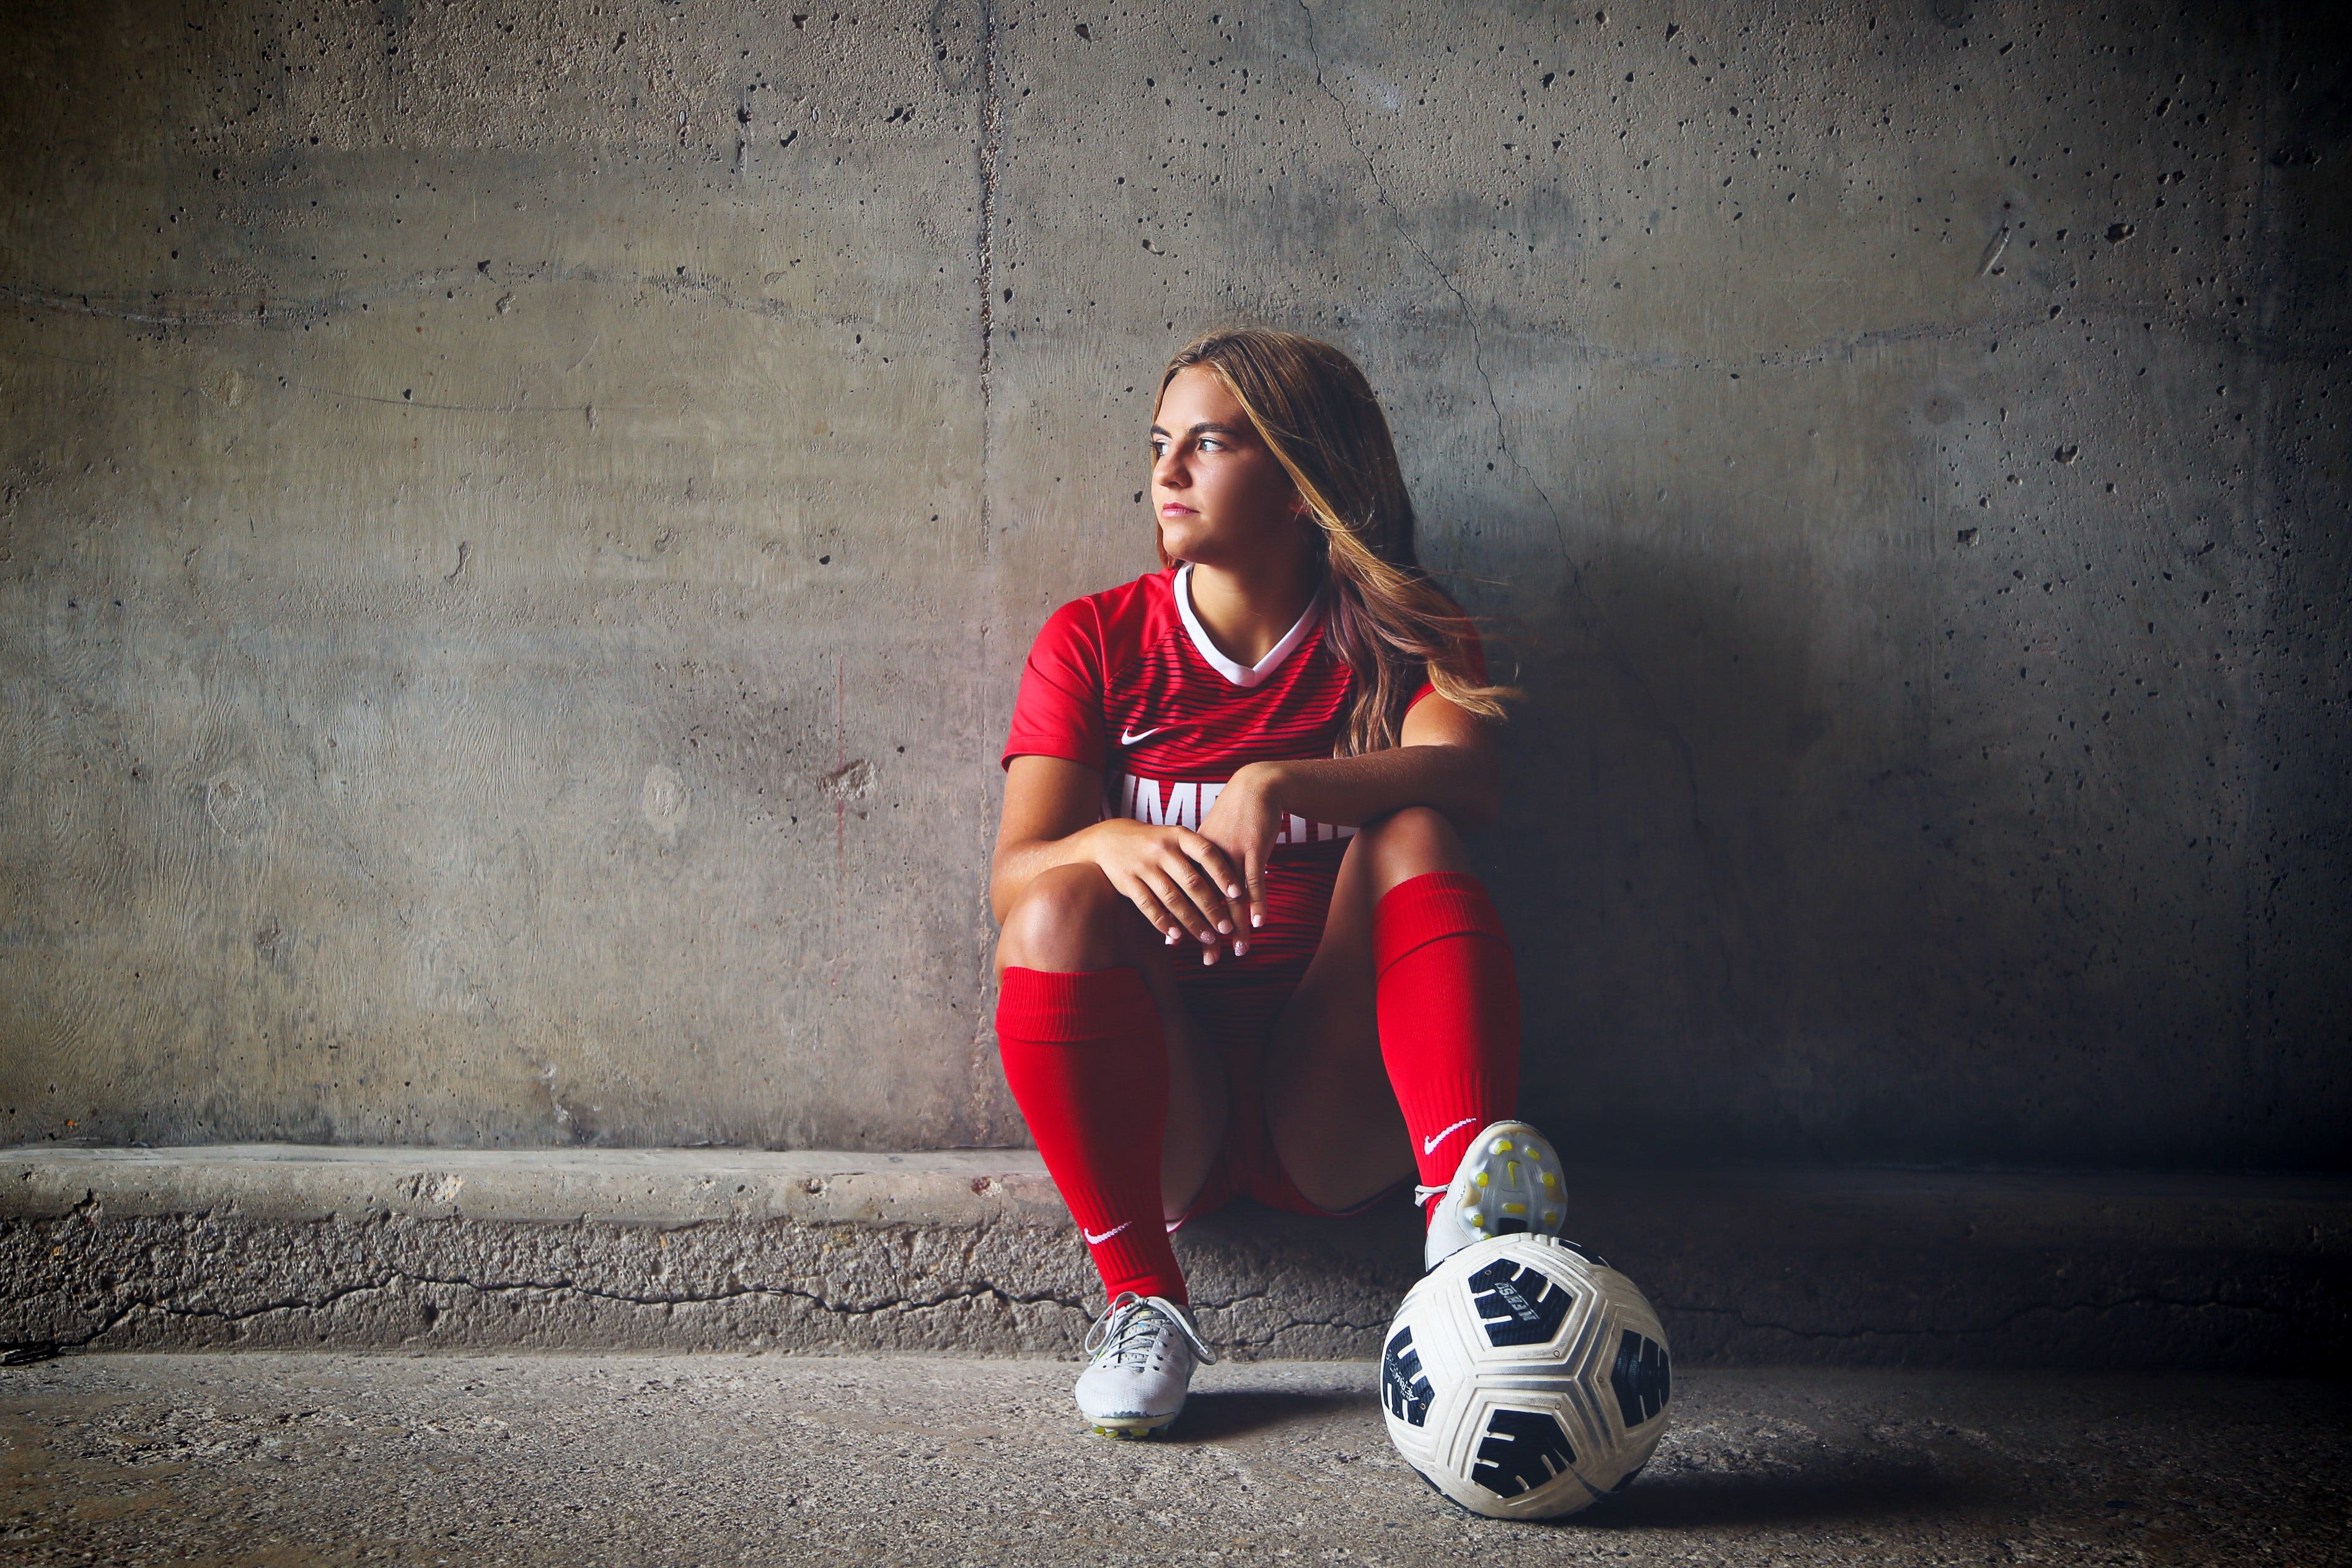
(1210, 444)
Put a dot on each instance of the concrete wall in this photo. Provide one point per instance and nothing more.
(518, 526)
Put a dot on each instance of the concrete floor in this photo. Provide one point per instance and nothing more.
(331, 1458)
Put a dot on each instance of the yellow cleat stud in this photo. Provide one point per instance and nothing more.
(1480, 1178)
(1502, 1146)
(1550, 1181)
(1511, 1168)
(1515, 1209)
(1475, 1217)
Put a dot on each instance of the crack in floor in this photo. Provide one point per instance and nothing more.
(560, 1286)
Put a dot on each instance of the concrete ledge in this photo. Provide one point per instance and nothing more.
(622, 1187)
(279, 1246)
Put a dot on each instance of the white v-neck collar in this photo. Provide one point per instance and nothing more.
(1243, 675)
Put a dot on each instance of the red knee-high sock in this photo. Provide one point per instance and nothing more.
(1448, 1002)
(1088, 1065)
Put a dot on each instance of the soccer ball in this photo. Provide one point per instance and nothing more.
(1525, 1378)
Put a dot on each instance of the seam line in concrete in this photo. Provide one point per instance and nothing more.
(991, 124)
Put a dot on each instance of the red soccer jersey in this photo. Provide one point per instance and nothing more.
(1127, 681)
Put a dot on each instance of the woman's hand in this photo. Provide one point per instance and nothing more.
(1243, 825)
(1181, 881)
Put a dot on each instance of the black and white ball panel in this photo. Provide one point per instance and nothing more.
(1520, 1304)
(1523, 1377)
(1404, 1391)
(1520, 1450)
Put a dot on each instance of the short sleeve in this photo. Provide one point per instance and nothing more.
(1477, 650)
(1059, 712)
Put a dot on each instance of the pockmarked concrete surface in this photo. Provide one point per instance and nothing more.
(287, 1247)
(518, 530)
(326, 1460)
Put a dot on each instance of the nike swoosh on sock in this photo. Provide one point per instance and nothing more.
(1093, 1240)
(1429, 1145)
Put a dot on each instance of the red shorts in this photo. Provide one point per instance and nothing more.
(1235, 1003)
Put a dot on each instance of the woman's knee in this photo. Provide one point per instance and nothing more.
(1410, 843)
(1067, 920)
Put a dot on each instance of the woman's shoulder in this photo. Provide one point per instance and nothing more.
(1124, 616)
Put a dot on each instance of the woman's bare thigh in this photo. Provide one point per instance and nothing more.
(1197, 1095)
(1330, 1115)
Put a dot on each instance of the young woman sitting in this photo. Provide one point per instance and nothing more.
(1242, 951)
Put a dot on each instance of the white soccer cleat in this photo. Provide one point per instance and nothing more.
(1508, 1181)
(1145, 1349)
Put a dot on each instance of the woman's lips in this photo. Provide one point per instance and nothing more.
(1170, 508)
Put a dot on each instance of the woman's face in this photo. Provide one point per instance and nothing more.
(1221, 497)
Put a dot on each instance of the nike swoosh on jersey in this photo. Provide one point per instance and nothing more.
(1093, 1240)
(1429, 1145)
(1127, 739)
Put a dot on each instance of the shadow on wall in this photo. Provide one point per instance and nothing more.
(1783, 889)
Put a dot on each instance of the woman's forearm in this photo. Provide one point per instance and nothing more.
(1458, 781)
(1017, 864)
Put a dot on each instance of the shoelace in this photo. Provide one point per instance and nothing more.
(1421, 1196)
(1127, 1334)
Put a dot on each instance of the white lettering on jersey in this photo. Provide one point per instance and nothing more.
(1187, 804)
(1182, 809)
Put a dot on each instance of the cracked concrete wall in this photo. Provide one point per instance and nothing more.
(277, 1248)
(516, 535)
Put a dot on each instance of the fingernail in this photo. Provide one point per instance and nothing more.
(1208, 958)
(1171, 939)
(1257, 920)
(1240, 948)
(1232, 893)
(1225, 926)
(1209, 937)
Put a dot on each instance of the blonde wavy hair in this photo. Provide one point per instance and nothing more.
(1385, 619)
